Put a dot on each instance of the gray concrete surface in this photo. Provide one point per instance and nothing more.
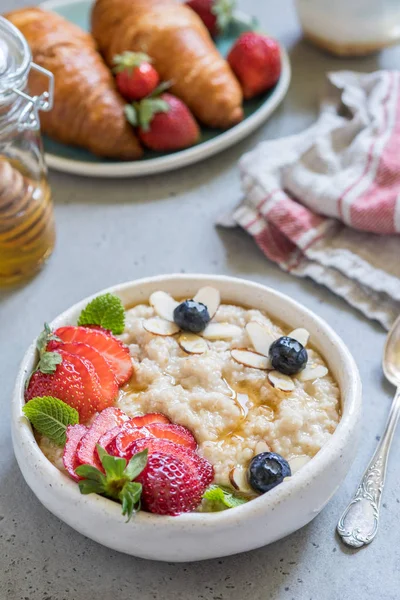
(112, 231)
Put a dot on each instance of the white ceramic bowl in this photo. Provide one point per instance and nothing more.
(196, 536)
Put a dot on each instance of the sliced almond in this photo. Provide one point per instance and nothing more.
(298, 462)
(311, 373)
(261, 447)
(221, 331)
(260, 336)
(210, 297)
(242, 400)
(280, 381)
(163, 304)
(192, 343)
(301, 335)
(248, 358)
(238, 479)
(160, 326)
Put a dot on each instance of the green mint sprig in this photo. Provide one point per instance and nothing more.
(51, 417)
(117, 481)
(217, 498)
(107, 311)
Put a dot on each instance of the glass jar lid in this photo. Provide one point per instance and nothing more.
(15, 65)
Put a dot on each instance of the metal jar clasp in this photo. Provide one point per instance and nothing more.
(29, 117)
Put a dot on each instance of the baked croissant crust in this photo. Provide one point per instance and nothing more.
(182, 51)
(88, 111)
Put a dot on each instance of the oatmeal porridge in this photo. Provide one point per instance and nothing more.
(207, 404)
(232, 409)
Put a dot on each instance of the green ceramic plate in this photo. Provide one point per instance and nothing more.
(76, 160)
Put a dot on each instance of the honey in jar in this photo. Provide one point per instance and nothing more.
(26, 214)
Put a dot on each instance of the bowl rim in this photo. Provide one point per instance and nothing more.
(61, 483)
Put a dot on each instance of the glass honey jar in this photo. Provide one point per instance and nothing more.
(27, 232)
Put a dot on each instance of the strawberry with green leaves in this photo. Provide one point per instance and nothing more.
(115, 480)
(215, 14)
(164, 123)
(69, 378)
(83, 366)
(135, 75)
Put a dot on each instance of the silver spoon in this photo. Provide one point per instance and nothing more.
(358, 524)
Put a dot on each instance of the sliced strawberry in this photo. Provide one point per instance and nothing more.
(107, 381)
(174, 433)
(74, 435)
(115, 352)
(149, 418)
(203, 469)
(127, 436)
(74, 381)
(107, 440)
(170, 487)
(106, 420)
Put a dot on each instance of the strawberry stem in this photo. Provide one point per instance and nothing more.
(48, 361)
(127, 61)
(117, 481)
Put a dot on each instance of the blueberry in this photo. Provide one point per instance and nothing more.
(267, 470)
(287, 355)
(191, 316)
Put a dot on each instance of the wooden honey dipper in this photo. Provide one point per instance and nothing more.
(23, 212)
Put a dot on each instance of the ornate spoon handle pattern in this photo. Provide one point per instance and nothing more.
(358, 524)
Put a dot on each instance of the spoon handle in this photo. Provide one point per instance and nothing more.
(358, 524)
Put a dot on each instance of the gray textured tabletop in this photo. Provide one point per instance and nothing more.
(115, 230)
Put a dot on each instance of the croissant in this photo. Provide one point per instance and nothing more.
(182, 51)
(88, 111)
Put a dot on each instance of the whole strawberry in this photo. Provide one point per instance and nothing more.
(164, 123)
(135, 76)
(215, 14)
(256, 61)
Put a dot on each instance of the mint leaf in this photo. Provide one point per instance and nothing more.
(217, 498)
(136, 464)
(51, 417)
(130, 498)
(107, 311)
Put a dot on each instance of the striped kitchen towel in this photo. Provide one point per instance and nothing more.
(326, 203)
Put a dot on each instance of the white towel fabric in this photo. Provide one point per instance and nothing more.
(326, 203)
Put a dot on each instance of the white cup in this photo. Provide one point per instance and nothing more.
(350, 27)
